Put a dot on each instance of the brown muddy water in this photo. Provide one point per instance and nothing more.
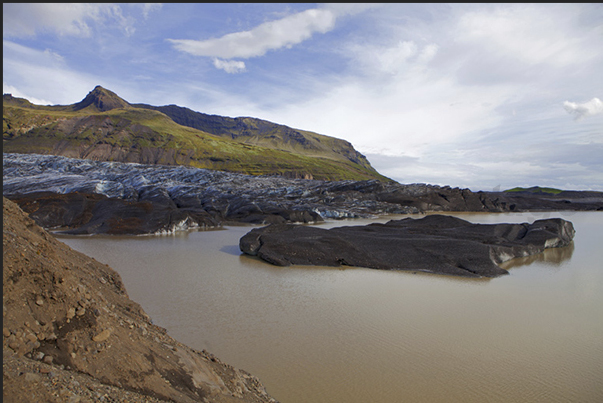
(328, 335)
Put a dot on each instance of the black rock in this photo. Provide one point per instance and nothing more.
(85, 213)
(436, 243)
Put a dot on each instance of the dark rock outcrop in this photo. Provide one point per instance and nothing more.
(436, 244)
(565, 200)
(89, 213)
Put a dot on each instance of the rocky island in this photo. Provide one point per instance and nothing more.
(436, 244)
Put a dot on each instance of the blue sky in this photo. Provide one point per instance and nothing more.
(484, 96)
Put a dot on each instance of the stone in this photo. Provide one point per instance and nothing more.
(102, 336)
(436, 244)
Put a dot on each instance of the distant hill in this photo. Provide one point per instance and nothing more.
(534, 189)
(105, 127)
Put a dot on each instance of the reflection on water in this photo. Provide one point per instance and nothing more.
(328, 335)
(551, 256)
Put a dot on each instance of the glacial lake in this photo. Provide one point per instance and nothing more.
(329, 335)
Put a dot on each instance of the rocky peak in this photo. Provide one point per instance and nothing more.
(102, 100)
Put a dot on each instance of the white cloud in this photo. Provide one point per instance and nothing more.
(528, 43)
(405, 57)
(147, 8)
(45, 74)
(590, 108)
(519, 33)
(29, 19)
(9, 89)
(393, 59)
(229, 66)
(398, 104)
(406, 116)
(286, 32)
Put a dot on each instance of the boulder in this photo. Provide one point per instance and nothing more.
(436, 244)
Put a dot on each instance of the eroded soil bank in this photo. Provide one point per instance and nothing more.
(71, 333)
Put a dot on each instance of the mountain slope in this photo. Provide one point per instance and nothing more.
(105, 127)
(263, 133)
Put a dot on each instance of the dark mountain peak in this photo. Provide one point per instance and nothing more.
(101, 99)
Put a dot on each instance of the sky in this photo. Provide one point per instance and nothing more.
(479, 96)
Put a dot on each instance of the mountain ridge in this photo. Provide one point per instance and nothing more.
(255, 131)
(103, 126)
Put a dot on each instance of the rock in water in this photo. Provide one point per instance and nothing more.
(436, 244)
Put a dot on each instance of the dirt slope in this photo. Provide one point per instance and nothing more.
(71, 334)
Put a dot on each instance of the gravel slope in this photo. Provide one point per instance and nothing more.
(71, 334)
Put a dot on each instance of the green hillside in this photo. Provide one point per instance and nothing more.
(105, 127)
(265, 134)
(534, 189)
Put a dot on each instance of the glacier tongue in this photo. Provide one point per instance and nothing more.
(28, 173)
(191, 195)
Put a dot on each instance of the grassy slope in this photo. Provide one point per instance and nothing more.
(39, 129)
(265, 134)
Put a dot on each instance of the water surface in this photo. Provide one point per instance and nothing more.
(329, 335)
